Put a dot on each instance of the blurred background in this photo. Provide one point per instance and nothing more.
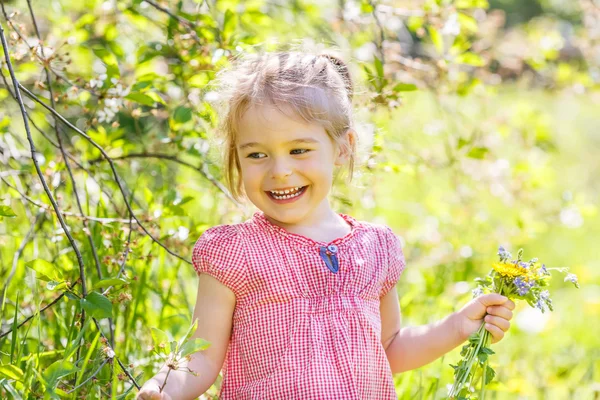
(479, 126)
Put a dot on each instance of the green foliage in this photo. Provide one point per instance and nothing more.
(463, 156)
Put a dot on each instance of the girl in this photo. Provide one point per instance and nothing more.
(297, 301)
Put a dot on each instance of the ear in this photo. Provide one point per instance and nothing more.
(345, 145)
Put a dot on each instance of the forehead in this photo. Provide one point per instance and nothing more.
(267, 125)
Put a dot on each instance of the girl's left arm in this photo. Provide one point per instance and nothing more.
(412, 347)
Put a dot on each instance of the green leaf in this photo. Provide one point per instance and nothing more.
(161, 341)
(482, 357)
(489, 374)
(436, 39)
(154, 96)
(45, 270)
(182, 114)
(366, 7)
(487, 350)
(378, 67)
(57, 370)
(106, 56)
(11, 372)
(141, 98)
(477, 152)
(97, 305)
(189, 332)
(6, 211)
(53, 285)
(104, 283)
(405, 87)
(192, 346)
(474, 338)
(470, 59)
(229, 24)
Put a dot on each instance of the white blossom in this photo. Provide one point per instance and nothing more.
(99, 82)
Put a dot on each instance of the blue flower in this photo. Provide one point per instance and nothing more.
(540, 305)
(522, 286)
(572, 278)
(545, 295)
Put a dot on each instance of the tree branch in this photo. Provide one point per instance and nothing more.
(202, 170)
(16, 86)
(110, 161)
(66, 213)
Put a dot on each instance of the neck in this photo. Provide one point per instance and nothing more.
(321, 216)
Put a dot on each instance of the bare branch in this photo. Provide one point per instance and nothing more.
(189, 25)
(202, 170)
(110, 161)
(16, 87)
(401, 12)
(17, 254)
(67, 213)
(56, 300)
(381, 33)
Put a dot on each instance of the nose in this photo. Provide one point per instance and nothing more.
(280, 168)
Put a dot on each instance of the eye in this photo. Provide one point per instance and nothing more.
(300, 151)
(255, 155)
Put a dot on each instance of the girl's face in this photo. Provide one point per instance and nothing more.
(279, 154)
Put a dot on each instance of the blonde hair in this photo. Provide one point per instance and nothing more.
(315, 87)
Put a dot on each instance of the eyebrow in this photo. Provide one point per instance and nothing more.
(295, 141)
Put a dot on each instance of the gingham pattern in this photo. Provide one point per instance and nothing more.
(300, 331)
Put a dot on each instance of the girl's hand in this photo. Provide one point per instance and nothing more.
(151, 391)
(469, 318)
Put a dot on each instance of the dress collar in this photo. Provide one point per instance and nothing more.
(355, 226)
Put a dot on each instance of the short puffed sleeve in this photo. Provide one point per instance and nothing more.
(396, 263)
(219, 253)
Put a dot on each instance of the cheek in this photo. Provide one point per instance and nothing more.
(251, 174)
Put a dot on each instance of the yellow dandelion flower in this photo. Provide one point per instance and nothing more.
(510, 270)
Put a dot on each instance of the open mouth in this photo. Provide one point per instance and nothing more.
(287, 194)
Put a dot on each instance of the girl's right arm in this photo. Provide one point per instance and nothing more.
(214, 310)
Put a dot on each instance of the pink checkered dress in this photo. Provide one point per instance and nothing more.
(301, 331)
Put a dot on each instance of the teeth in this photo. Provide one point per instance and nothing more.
(284, 192)
(281, 194)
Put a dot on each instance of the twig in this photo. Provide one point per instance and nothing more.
(202, 170)
(401, 12)
(16, 86)
(189, 25)
(89, 377)
(117, 358)
(66, 213)
(407, 62)
(56, 300)
(17, 255)
(381, 33)
(112, 166)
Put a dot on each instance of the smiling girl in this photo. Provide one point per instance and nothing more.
(298, 301)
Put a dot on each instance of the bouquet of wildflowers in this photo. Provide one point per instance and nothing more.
(517, 280)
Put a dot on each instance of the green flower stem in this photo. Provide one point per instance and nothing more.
(487, 341)
(484, 340)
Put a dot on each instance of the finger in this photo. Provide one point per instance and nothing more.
(492, 299)
(497, 333)
(510, 305)
(499, 322)
(500, 311)
(155, 396)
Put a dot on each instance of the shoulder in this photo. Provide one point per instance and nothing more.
(217, 235)
(382, 231)
(220, 252)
